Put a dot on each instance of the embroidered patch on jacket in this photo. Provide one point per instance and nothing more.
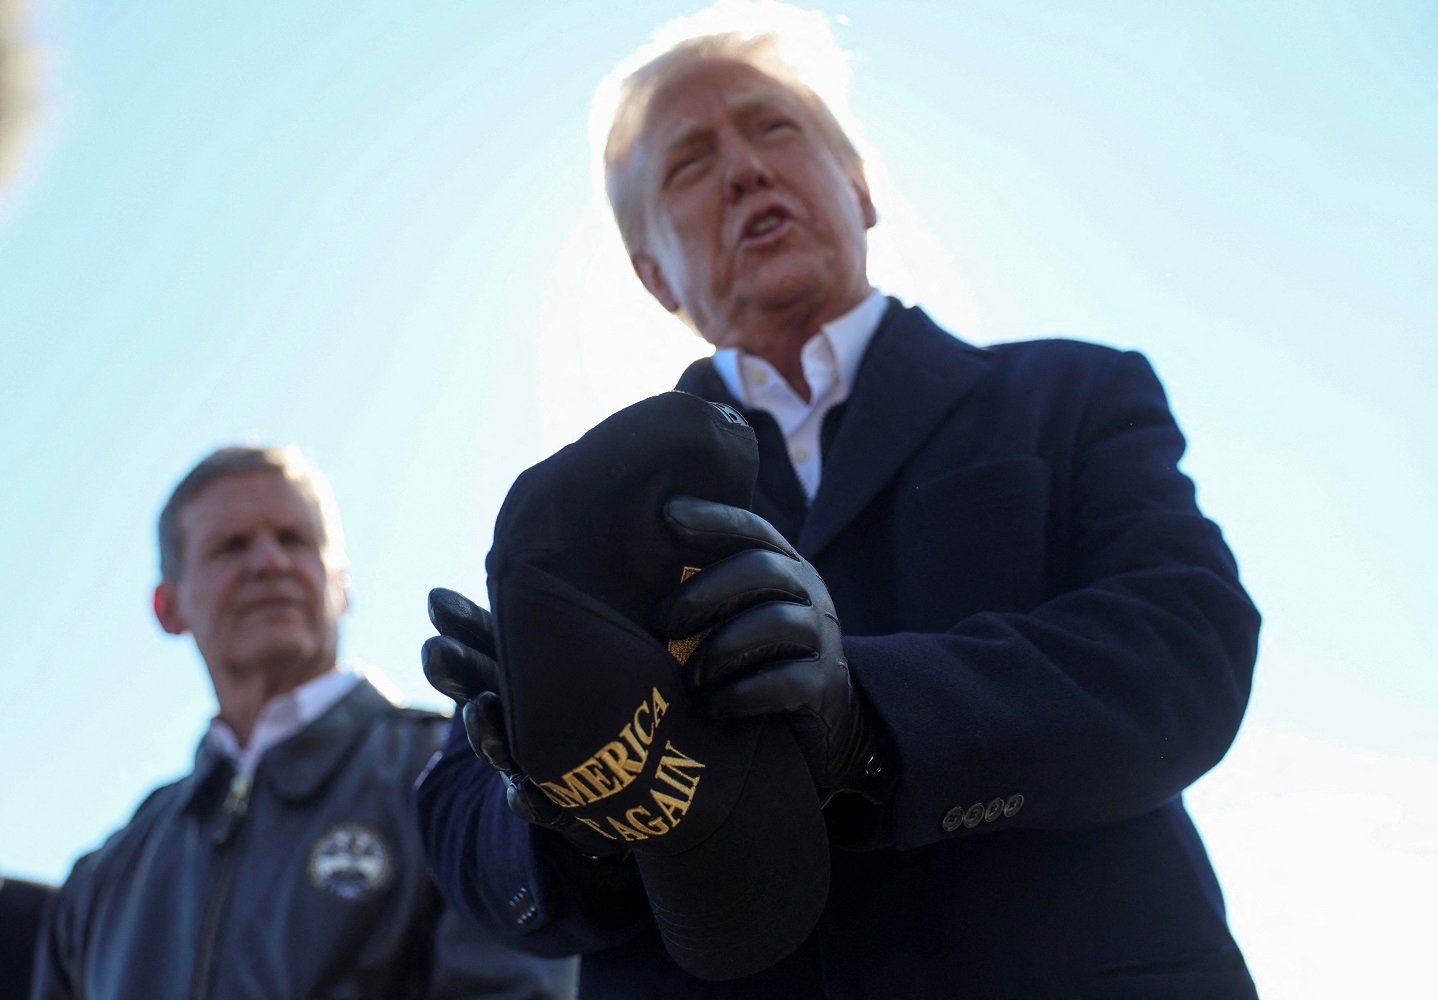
(350, 861)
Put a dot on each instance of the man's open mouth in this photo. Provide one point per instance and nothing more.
(766, 223)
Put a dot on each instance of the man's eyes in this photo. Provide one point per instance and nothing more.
(688, 161)
(769, 132)
(682, 165)
(290, 539)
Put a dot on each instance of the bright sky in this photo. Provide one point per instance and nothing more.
(370, 229)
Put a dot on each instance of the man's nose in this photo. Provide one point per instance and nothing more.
(745, 172)
(267, 555)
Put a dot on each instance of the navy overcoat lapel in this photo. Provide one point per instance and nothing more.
(912, 377)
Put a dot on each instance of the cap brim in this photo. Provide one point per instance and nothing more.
(737, 869)
(748, 895)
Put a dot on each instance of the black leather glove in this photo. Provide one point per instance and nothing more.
(773, 645)
(460, 663)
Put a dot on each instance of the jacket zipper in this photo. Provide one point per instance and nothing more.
(237, 803)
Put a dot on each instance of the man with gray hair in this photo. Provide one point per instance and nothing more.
(1043, 640)
(286, 864)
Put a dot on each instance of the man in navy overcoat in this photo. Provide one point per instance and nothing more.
(1043, 639)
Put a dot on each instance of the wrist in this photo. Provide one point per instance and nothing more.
(868, 764)
(606, 890)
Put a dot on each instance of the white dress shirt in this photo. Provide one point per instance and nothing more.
(830, 360)
(281, 717)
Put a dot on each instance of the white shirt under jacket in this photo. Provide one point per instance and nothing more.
(830, 360)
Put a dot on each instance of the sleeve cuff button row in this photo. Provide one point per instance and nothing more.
(522, 905)
(980, 813)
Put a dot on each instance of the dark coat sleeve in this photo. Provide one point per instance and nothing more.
(507, 876)
(1122, 686)
(469, 965)
(23, 905)
(58, 951)
(468, 961)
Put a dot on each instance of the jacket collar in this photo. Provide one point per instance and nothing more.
(913, 375)
(210, 770)
(300, 766)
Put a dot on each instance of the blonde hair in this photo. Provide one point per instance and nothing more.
(793, 46)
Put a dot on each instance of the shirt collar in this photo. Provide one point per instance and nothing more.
(831, 357)
(281, 717)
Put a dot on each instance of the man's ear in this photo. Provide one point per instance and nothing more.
(861, 189)
(166, 602)
(647, 268)
(342, 586)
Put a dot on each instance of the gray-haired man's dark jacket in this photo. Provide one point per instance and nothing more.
(309, 883)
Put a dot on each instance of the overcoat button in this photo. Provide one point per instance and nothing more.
(953, 819)
(1014, 804)
(994, 809)
(974, 816)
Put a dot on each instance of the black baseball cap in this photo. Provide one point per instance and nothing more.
(723, 817)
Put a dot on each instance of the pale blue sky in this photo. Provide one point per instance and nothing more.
(370, 229)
